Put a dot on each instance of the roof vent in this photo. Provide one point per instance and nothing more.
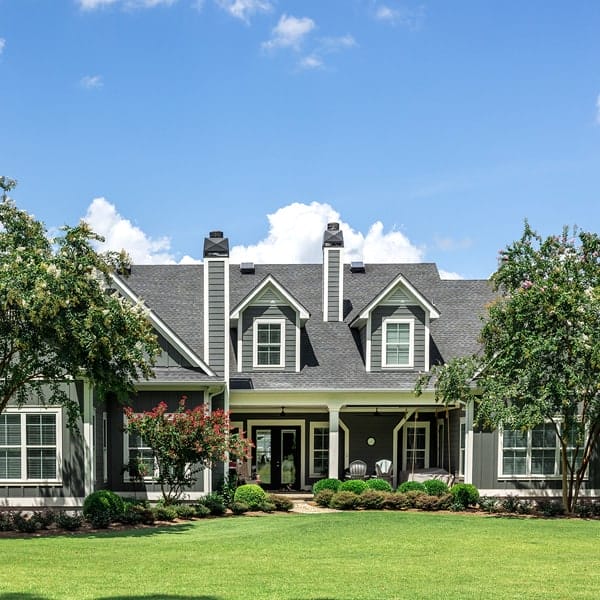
(357, 266)
(215, 245)
(247, 268)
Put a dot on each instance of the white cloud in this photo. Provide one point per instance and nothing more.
(120, 233)
(411, 18)
(311, 61)
(296, 235)
(243, 9)
(449, 275)
(91, 82)
(289, 32)
(94, 4)
(2, 44)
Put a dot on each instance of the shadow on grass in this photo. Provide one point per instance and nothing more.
(24, 596)
(135, 532)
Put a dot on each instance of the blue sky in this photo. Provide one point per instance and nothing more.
(430, 130)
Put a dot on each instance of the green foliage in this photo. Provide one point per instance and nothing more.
(251, 494)
(379, 484)
(44, 518)
(396, 501)
(326, 484)
(372, 499)
(464, 495)
(411, 486)
(414, 498)
(102, 507)
(282, 503)
(345, 500)
(435, 487)
(489, 504)
(56, 318)
(227, 488)
(550, 508)
(164, 512)
(184, 511)
(453, 381)
(516, 505)
(357, 486)
(6, 522)
(323, 497)
(267, 506)
(24, 524)
(184, 443)
(214, 502)
(201, 511)
(70, 522)
(239, 508)
(135, 513)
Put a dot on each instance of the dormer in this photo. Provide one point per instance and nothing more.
(268, 322)
(394, 328)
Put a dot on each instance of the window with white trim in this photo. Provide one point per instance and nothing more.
(462, 447)
(269, 343)
(397, 343)
(140, 457)
(531, 453)
(416, 446)
(29, 445)
(319, 449)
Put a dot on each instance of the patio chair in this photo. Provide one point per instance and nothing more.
(357, 469)
(384, 469)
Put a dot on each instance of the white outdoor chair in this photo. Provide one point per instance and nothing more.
(384, 469)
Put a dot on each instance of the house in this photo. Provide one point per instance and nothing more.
(317, 364)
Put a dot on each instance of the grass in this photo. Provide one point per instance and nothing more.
(337, 556)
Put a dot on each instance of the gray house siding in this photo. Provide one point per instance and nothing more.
(216, 314)
(398, 312)
(333, 285)
(268, 312)
(169, 356)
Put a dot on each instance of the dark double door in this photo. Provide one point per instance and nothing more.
(276, 456)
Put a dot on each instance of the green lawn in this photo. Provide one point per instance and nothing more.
(370, 555)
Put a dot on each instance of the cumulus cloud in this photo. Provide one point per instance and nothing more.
(411, 18)
(289, 32)
(296, 234)
(312, 61)
(91, 82)
(244, 9)
(2, 45)
(94, 4)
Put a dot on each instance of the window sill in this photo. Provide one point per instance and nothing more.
(30, 482)
(533, 478)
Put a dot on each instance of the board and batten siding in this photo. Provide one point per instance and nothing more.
(215, 313)
(247, 332)
(169, 356)
(333, 285)
(398, 312)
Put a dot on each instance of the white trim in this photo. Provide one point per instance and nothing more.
(268, 321)
(411, 343)
(462, 460)
(397, 428)
(311, 448)
(23, 411)
(166, 331)
(226, 320)
(269, 280)
(426, 364)
(368, 347)
(42, 501)
(469, 443)
(126, 476)
(88, 439)
(325, 290)
(536, 493)
(207, 472)
(104, 446)
(346, 443)
(297, 343)
(418, 425)
(205, 332)
(341, 286)
(240, 349)
(257, 423)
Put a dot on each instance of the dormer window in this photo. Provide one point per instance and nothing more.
(398, 343)
(269, 342)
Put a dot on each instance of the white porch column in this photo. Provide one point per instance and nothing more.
(88, 439)
(469, 443)
(334, 441)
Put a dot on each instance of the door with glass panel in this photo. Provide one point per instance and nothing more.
(276, 456)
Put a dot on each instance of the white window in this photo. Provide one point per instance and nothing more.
(463, 447)
(398, 341)
(269, 343)
(139, 457)
(319, 449)
(30, 440)
(531, 453)
(416, 446)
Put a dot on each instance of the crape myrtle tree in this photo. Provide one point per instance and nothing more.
(540, 360)
(58, 319)
(183, 443)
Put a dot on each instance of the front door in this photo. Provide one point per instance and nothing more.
(276, 457)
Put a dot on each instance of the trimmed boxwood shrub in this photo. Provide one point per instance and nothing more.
(215, 503)
(6, 522)
(69, 522)
(372, 499)
(435, 487)
(326, 484)
(489, 504)
(24, 524)
(379, 484)
(184, 511)
(201, 511)
(251, 494)
(396, 501)
(411, 486)
(281, 503)
(239, 508)
(44, 518)
(267, 506)
(357, 486)
(415, 497)
(164, 513)
(464, 494)
(133, 514)
(102, 507)
(551, 508)
(345, 500)
(323, 498)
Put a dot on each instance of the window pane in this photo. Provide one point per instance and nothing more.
(10, 463)
(41, 463)
(543, 436)
(397, 344)
(10, 430)
(41, 430)
(542, 462)
(514, 439)
(514, 462)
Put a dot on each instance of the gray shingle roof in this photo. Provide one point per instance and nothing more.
(331, 358)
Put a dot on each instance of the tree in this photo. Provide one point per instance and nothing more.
(183, 443)
(58, 319)
(541, 348)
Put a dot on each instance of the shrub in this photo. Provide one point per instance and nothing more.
(214, 502)
(510, 503)
(6, 522)
(251, 494)
(435, 487)
(357, 486)
(201, 511)
(184, 511)
(281, 503)
(411, 486)
(379, 484)
(239, 508)
(489, 504)
(465, 495)
(102, 507)
(414, 498)
(267, 506)
(44, 518)
(345, 500)
(69, 522)
(326, 484)
(550, 508)
(164, 513)
(24, 524)
(396, 501)
(584, 510)
(323, 498)
(372, 499)
(131, 515)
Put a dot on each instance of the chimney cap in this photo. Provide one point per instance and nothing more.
(216, 246)
(333, 236)
(215, 234)
(333, 226)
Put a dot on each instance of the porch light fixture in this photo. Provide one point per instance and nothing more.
(370, 441)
